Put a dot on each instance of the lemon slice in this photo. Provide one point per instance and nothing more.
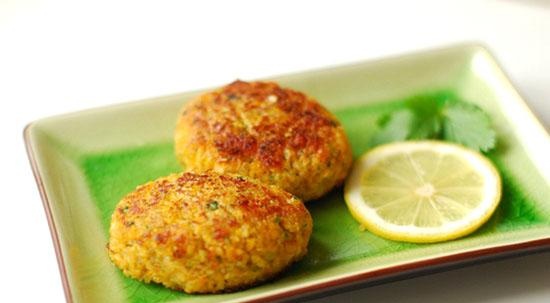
(422, 191)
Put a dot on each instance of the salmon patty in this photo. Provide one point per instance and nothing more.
(275, 135)
(207, 233)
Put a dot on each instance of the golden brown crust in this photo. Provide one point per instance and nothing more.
(276, 135)
(206, 233)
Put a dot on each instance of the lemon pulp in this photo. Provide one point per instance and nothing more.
(422, 191)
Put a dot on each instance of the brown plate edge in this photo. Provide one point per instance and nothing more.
(409, 270)
(49, 216)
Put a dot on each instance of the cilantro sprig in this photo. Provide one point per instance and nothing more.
(432, 117)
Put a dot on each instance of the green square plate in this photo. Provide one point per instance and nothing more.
(85, 162)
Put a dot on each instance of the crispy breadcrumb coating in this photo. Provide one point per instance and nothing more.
(207, 233)
(258, 129)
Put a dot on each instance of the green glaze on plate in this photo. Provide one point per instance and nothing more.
(86, 162)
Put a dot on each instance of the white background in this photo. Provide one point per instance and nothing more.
(62, 56)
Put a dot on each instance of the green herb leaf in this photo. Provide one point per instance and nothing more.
(394, 127)
(437, 117)
(468, 125)
(427, 118)
(212, 205)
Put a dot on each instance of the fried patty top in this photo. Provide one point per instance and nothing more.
(205, 233)
(258, 129)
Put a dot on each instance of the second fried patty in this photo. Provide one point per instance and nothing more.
(207, 233)
(276, 135)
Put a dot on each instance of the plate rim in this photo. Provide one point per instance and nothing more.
(435, 264)
(489, 254)
(47, 209)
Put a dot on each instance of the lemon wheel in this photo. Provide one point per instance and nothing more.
(422, 191)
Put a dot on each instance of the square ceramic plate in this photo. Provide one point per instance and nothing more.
(85, 162)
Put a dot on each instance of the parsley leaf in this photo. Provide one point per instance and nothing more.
(427, 119)
(394, 127)
(468, 125)
(212, 205)
(437, 117)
